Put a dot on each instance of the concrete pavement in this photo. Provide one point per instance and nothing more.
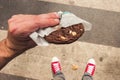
(101, 43)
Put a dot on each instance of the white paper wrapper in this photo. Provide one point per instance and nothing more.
(67, 19)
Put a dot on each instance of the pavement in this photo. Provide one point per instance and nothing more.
(101, 43)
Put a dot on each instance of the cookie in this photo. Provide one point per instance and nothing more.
(65, 35)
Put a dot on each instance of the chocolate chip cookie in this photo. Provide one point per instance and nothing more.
(66, 35)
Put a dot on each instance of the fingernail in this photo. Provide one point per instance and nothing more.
(56, 20)
(57, 14)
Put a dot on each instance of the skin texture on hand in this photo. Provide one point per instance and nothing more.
(20, 27)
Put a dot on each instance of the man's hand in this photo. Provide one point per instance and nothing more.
(20, 27)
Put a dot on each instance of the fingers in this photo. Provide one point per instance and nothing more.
(27, 27)
(42, 23)
(20, 17)
(49, 15)
(37, 24)
(28, 23)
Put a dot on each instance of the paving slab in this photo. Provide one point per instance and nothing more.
(109, 5)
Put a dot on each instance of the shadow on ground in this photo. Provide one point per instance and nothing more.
(106, 24)
(13, 77)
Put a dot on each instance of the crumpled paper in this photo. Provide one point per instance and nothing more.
(66, 19)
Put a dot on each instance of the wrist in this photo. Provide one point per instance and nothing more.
(6, 51)
(6, 54)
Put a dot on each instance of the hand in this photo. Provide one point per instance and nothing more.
(21, 26)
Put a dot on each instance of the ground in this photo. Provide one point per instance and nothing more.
(101, 43)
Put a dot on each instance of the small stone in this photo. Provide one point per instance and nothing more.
(74, 67)
(2, 27)
(101, 59)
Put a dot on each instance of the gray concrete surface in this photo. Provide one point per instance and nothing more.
(13, 77)
(109, 5)
(102, 43)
